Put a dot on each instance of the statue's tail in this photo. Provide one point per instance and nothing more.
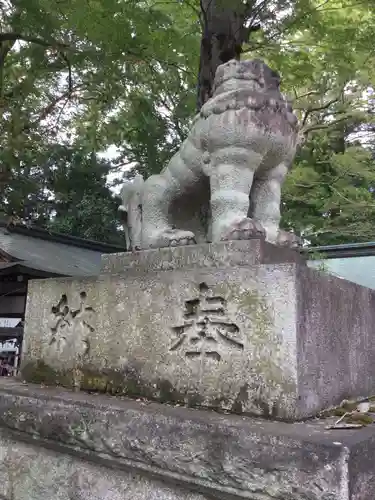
(131, 206)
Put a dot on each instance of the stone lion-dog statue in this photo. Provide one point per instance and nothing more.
(225, 181)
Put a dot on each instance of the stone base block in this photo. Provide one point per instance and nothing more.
(28, 472)
(59, 445)
(206, 255)
(223, 327)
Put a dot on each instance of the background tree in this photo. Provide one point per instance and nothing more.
(328, 195)
(83, 204)
(82, 76)
(227, 26)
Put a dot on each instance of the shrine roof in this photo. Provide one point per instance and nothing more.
(50, 253)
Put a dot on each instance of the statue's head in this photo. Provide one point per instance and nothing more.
(249, 74)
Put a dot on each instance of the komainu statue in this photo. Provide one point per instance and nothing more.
(225, 181)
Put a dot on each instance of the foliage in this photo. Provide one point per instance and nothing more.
(78, 77)
(326, 59)
(83, 205)
(86, 75)
(66, 192)
(328, 196)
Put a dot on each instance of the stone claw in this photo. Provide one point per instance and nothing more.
(243, 229)
(173, 238)
(287, 239)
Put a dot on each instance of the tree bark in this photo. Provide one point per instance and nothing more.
(223, 34)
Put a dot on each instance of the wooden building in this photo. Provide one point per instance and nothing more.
(33, 253)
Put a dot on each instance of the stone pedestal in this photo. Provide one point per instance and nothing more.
(62, 446)
(240, 326)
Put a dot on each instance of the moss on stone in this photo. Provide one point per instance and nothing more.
(333, 412)
(128, 382)
(338, 412)
(114, 382)
(94, 382)
(349, 405)
(39, 372)
(360, 418)
(168, 394)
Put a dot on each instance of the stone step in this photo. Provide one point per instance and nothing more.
(61, 445)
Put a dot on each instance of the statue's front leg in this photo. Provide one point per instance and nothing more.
(231, 175)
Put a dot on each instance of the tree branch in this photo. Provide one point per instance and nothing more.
(320, 126)
(288, 26)
(308, 94)
(11, 36)
(48, 109)
(314, 109)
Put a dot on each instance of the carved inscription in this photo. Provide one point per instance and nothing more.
(206, 328)
(67, 321)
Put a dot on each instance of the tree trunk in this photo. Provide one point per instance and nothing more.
(223, 33)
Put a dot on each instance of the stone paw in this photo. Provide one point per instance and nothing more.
(287, 239)
(243, 229)
(173, 238)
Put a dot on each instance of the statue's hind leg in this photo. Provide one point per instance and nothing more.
(265, 205)
(157, 232)
(159, 193)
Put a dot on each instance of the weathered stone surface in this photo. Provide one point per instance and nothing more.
(31, 473)
(214, 255)
(275, 340)
(336, 330)
(218, 456)
(225, 181)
